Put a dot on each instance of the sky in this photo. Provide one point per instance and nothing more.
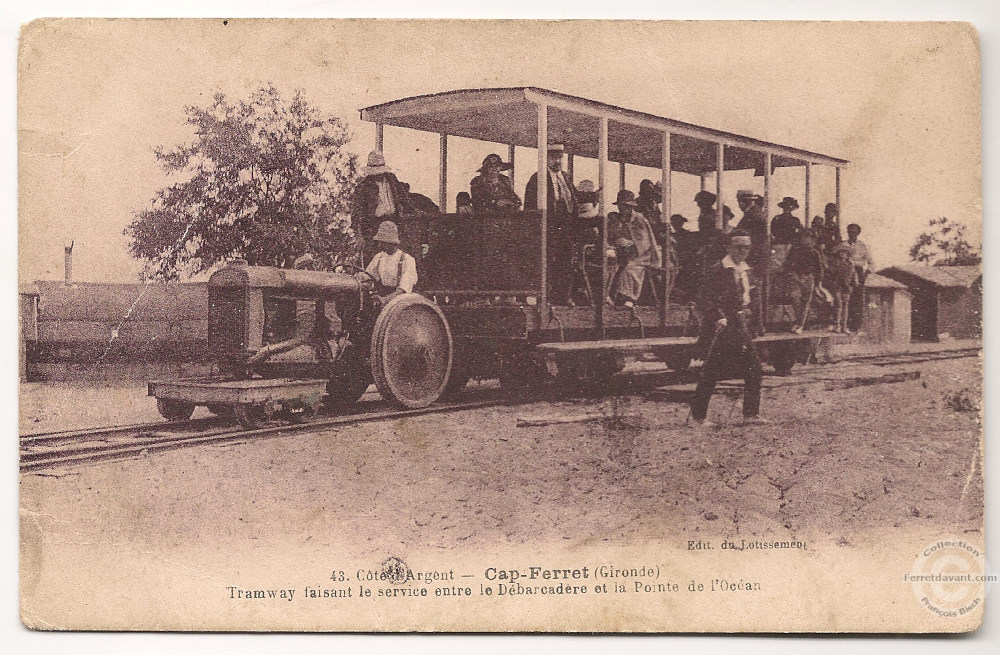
(900, 101)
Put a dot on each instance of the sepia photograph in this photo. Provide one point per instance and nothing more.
(362, 325)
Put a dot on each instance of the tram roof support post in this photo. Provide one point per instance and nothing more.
(808, 197)
(767, 232)
(621, 176)
(570, 172)
(668, 274)
(443, 179)
(379, 136)
(837, 198)
(543, 199)
(602, 173)
(511, 149)
(720, 150)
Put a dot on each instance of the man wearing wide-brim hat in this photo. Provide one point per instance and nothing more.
(637, 251)
(785, 227)
(379, 196)
(492, 192)
(754, 223)
(562, 210)
(393, 270)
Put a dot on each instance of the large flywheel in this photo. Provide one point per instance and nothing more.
(412, 351)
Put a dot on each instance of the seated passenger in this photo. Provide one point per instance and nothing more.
(420, 203)
(637, 249)
(393, 270)
(491, 191)
(463, 203)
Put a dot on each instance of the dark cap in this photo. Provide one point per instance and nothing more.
(706, 197)
(625, 197)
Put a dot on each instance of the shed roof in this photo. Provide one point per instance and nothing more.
(878, 281)
(510, 116)
(947, 277)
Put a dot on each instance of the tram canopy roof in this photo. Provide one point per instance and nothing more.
(510, 116)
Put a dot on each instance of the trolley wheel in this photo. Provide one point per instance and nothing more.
(782, 357)
(249, 416)
(304, 413)
(523, 373)
(411, 351)
(349, 383)
(174, 410)
(457, 379)
(224, 411)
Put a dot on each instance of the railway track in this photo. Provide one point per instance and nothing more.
(71, 447)
(56, 449)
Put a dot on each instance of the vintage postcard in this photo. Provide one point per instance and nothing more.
(605, 326)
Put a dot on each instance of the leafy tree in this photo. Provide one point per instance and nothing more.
(266, 179)
(945, 244)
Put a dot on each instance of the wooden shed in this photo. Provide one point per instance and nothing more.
(886, 311)
(947, 301)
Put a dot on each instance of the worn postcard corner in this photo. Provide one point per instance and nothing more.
(359, 325)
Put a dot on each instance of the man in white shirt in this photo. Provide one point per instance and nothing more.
(863, 264)
(729, 305)
(393, 270)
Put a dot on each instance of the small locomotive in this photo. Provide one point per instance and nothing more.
(284, 339)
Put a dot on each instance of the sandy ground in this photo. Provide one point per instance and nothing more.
(848, 467)
(846, 460)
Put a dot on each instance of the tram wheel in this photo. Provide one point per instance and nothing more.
(457, 379)
(249, 416)
(523, 373)
(411, 351)
(223, 411)
(782, 358)
(174, 410)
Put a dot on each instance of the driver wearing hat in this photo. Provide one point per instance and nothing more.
(393, 270)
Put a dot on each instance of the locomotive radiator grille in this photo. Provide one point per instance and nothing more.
(227, 323)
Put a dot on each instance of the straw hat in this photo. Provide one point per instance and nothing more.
(387, 233)
(586, 186)
(789, 202)
(376, 164)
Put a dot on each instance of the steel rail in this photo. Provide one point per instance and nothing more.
(157, 443)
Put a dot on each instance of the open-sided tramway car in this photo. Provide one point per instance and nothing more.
(484, 304)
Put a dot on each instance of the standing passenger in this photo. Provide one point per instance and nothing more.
(378, 196)
(754, 223)
(706, 212)
(862, 259)
(729, 304)
(785, 227)
(561, 211)
(804, 266)
(841, 280)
